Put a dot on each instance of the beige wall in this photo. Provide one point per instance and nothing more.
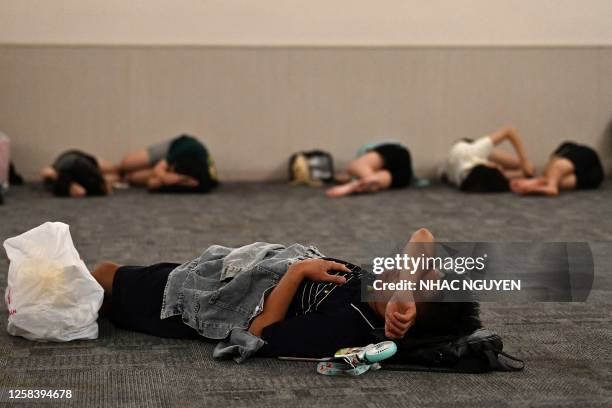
(254, 106)
(307, 22)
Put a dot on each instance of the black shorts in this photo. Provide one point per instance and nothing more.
(397, 160)
(587, 166)
(136, 302)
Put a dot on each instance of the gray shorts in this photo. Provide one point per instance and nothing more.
(158, 151)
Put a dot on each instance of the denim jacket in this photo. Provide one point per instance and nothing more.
(222, 290)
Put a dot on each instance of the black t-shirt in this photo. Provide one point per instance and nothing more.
(74, 166)
(322, 318)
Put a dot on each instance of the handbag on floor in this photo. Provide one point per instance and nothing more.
(479, 352)
(313, 168)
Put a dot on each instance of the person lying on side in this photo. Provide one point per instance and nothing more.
(377, 167)
(77, 174)
(270, 300)
(571, 166)
(478, 166)
(178, 165)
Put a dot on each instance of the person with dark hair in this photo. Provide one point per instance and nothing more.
(179, 165)
(478, 166)
(77, 174)
(270, 300)
(571, 166)
(378, 166)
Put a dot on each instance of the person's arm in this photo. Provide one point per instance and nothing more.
(77, 190)
(510, 134)
(162, 176)
(277, 303)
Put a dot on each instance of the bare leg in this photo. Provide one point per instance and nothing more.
(367, 170)
(137, 160)
(559, 174)
(104, 274)
(108, 167)
(505, 159)
(365, 165)
(139, 177)
(379, 180)
(513, 174)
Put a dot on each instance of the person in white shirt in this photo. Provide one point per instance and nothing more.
(478, 166)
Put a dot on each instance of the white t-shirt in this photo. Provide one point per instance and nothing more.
(464, 156)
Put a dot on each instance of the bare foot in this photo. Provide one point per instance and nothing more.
(538, 186)
(367, 186)
(343, 189)
(525, 186)
(547, 189)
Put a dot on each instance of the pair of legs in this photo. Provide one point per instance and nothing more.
(104, 274)
(364, 175)
(136, 167)
(559, 175)
(509, 164)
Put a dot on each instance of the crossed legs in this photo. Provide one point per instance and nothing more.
(559, 175)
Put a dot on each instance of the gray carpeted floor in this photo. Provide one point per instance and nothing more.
(567, 347)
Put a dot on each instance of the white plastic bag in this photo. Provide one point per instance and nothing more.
(51, 296)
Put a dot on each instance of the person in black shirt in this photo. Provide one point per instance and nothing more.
(378, 166)
(572, 166)
(179, 165)
(315, 309)
(77, 174)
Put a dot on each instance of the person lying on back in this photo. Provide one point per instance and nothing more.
(270, 300)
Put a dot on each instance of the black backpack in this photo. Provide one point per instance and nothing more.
(313, 168)
(479, 352)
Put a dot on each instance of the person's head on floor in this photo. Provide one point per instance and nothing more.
(485, 178)
(445, 318)
(440, 312)
(82, 173)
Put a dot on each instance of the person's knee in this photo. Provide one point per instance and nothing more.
(105, 267)
(355, 168)
(104, 274)
(422, 235)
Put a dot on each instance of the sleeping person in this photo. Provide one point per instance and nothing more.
(271, 300)
(478, 166)
(378, 166)
(178, 165)
(571, 166)
(77, 174)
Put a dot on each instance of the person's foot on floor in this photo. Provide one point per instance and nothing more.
(547, 190)
(525, 186)
(535, 186)
(342, 190)
(368, 185)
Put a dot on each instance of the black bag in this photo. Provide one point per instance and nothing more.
(479, 352)
(313, 168)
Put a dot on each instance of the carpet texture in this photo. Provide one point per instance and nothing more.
(567, 347)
